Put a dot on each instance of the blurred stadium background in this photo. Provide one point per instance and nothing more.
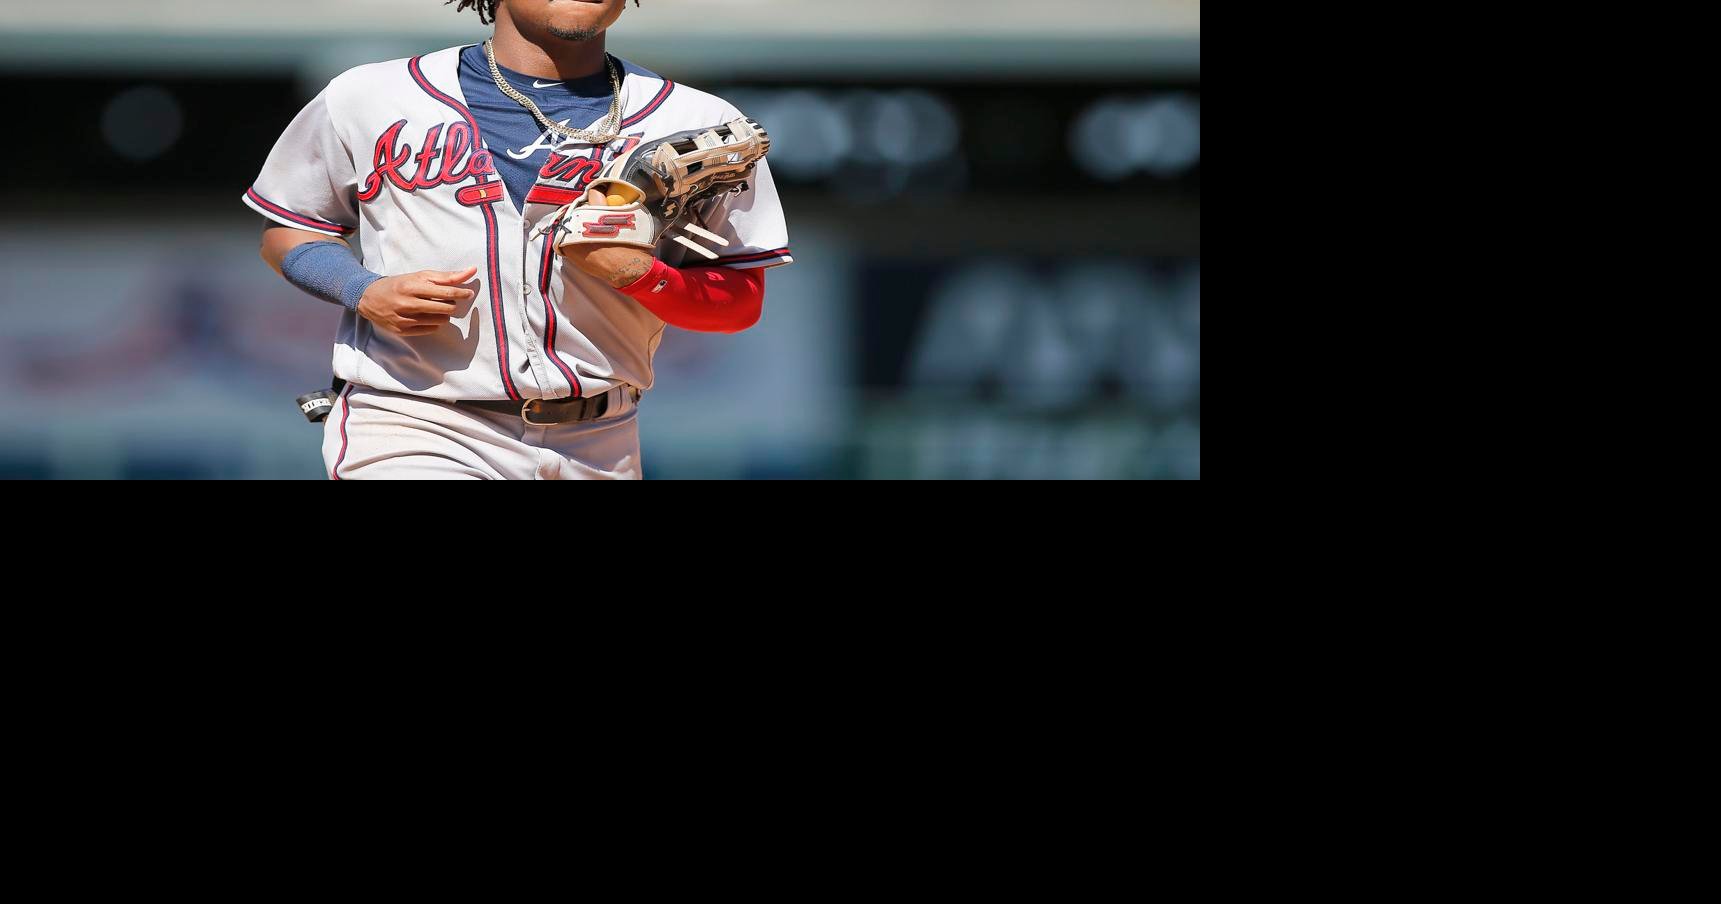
(995, 207)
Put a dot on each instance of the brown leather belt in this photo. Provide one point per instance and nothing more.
(553, 412)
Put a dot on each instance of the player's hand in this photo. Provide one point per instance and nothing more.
(416, 304)
(617, 264)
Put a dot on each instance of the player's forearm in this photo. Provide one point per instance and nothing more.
(702, 299)
(317, 265)
(618, 265)
(279, 241)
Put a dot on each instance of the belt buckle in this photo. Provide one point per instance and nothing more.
(525, 413)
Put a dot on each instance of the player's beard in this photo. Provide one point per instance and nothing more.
(574, 34)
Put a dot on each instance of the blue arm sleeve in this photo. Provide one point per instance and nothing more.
(329, 271)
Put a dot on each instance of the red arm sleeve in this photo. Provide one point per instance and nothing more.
(702, 299)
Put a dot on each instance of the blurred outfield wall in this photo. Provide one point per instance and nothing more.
(1119, 35)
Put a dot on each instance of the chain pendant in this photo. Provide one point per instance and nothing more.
(607, 130)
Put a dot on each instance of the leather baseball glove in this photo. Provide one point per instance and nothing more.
(651, 190)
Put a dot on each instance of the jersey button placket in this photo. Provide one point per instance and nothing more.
(534, 352)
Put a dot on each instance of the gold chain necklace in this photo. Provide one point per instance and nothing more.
(608, 128)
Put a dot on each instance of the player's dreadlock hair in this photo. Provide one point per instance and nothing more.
(487, 8)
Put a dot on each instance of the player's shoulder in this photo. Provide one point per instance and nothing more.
(678, 101)
(367, 76)
(370, 81)
(690, 108)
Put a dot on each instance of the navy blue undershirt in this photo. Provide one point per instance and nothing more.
(514, 137)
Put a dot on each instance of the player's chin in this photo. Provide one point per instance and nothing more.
(581, 20)
(573, 34)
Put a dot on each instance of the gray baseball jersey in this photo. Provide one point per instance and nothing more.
(391, 152)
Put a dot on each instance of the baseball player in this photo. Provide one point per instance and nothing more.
(502, 314)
